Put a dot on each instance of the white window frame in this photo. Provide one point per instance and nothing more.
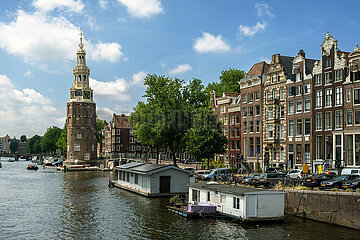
(79, 136)
(77, 147)
(319, 99)
(328, 97)
(338, 96)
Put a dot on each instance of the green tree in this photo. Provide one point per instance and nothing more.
(50, 138)
(99, 127)
(14, 146)
(23, 138)
(61, 143)
(206, 137)
(229, 82)
(33, 145)
(166, 116)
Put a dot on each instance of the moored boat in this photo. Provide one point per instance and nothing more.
(32, 167)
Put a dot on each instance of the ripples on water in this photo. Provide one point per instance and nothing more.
(47, 204)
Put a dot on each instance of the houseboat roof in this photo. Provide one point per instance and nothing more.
(146, 168)
(129, 165)
(231, 189)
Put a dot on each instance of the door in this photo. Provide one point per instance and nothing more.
(165, 184)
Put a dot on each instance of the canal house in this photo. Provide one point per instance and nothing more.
(152, 179)
(246, 204)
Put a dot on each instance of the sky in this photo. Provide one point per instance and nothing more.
(127, 39)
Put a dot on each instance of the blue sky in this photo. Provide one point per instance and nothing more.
(127, 39)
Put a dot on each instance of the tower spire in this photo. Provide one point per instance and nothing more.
(81, 45)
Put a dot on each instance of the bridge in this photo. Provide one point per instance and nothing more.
(17, 156)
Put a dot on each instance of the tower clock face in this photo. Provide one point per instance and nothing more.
(78, 93)
(87, 94)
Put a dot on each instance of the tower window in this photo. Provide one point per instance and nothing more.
(84, 78)
(77, 148)
(79, 78)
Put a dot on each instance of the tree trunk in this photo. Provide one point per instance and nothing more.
(174, 157)
(157, 155)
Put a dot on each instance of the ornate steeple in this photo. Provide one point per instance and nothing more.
(81, 91)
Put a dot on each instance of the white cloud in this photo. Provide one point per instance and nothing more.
(37, 38)
(267, 60)
(103, 4)
(104, 113)
(142, 8)
(49, 5)
(91, 22)
(25, 111)
(251, 31)
(114, 90)
(180, 69)
(106, 51)
(263, 10)
(138, 78)
(28, 74)
(210, 43)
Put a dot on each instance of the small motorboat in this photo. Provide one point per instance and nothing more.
(32, 167)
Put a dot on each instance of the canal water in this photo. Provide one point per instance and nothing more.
(47, 204)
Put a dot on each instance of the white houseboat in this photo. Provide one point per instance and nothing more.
(152, 179)
(246, 204)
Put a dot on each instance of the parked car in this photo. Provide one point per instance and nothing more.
(352, 184)
(246, 180)
(350, 171)
(315, 180)
(269, 179)
(254, 181)
(296, 174)
(336, 182)
(276, 170)
(216, 173)
(198, 173)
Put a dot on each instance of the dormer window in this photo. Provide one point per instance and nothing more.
(278, 77)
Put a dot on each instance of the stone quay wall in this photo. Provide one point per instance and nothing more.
(341, 208)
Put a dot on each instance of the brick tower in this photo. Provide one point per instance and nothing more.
(81, 115)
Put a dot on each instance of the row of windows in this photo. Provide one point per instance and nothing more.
(298, 106)
(249, 111)
(275, 112)
(329, 120)
(328, 77)
(299, 127)
(251, 127)
(275, 131)
(276, 94)
(234, 119)
(298, 90)
(328, 97)
(250, 97)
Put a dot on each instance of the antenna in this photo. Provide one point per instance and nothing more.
(70, 60)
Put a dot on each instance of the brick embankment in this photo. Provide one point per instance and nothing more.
(341, 208)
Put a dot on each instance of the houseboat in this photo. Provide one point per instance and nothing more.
(246, 204)
(152, 179)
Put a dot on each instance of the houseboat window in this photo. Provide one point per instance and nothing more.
(128, 177)
(196, 195)
(222, 198)
(136, 178)
(236, 202)
(208, 196)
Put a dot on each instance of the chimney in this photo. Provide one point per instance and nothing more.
(275, 58)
